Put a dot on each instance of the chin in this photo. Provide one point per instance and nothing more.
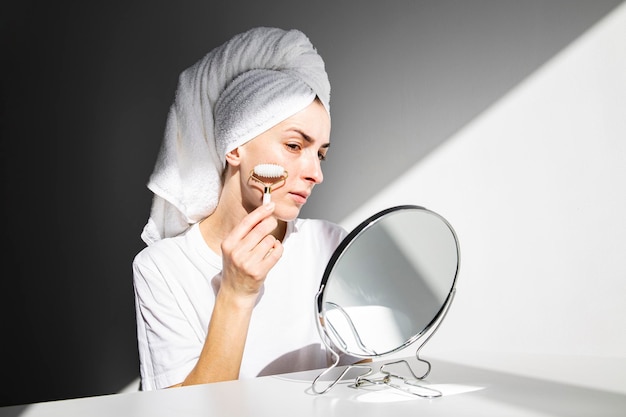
(286, 214)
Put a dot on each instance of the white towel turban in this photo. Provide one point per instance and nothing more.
(236, 92)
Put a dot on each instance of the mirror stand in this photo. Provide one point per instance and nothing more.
(384, 377)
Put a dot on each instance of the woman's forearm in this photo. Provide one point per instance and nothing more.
(220, 359)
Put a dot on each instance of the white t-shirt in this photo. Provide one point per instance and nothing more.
(176, 280)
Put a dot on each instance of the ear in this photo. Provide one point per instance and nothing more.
(233, 158)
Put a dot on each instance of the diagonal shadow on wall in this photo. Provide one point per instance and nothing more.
(405, 79)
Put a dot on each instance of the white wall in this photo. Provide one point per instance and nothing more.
(535, 188)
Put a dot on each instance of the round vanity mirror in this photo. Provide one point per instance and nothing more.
(389, 282)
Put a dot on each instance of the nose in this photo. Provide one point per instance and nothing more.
(313, 169)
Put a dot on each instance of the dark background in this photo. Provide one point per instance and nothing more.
(85, 91)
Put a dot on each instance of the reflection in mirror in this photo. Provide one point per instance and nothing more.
(388, 285)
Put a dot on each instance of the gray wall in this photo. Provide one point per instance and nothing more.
(85, 91)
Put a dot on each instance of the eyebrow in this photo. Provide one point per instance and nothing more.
(309, 138)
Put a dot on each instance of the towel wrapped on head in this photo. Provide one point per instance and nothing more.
(234, 93)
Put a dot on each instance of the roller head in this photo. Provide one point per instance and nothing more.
(269, 170)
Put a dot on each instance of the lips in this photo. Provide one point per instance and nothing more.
(300, 197)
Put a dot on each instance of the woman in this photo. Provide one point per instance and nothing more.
(225, 288)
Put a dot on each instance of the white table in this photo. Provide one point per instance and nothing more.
(472, 384)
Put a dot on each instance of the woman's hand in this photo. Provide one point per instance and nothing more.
(249, 252)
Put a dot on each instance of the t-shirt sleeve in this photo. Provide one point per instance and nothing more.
(168, 344)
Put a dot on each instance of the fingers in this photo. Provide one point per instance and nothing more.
(250, 250)
(262, 256)
(274, 252)
(252, 229)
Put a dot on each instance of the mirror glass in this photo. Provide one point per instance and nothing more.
(388, 282)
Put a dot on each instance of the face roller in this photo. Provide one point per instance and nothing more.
(269, 175)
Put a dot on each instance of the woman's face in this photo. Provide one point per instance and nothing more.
(299, 144)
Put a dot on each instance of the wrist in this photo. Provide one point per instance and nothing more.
(235, 300)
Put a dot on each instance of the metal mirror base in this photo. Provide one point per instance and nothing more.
(408, 382)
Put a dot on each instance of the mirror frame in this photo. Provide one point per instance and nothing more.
(428, 330)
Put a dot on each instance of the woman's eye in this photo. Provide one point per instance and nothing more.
(293, 146)
(321, 156)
